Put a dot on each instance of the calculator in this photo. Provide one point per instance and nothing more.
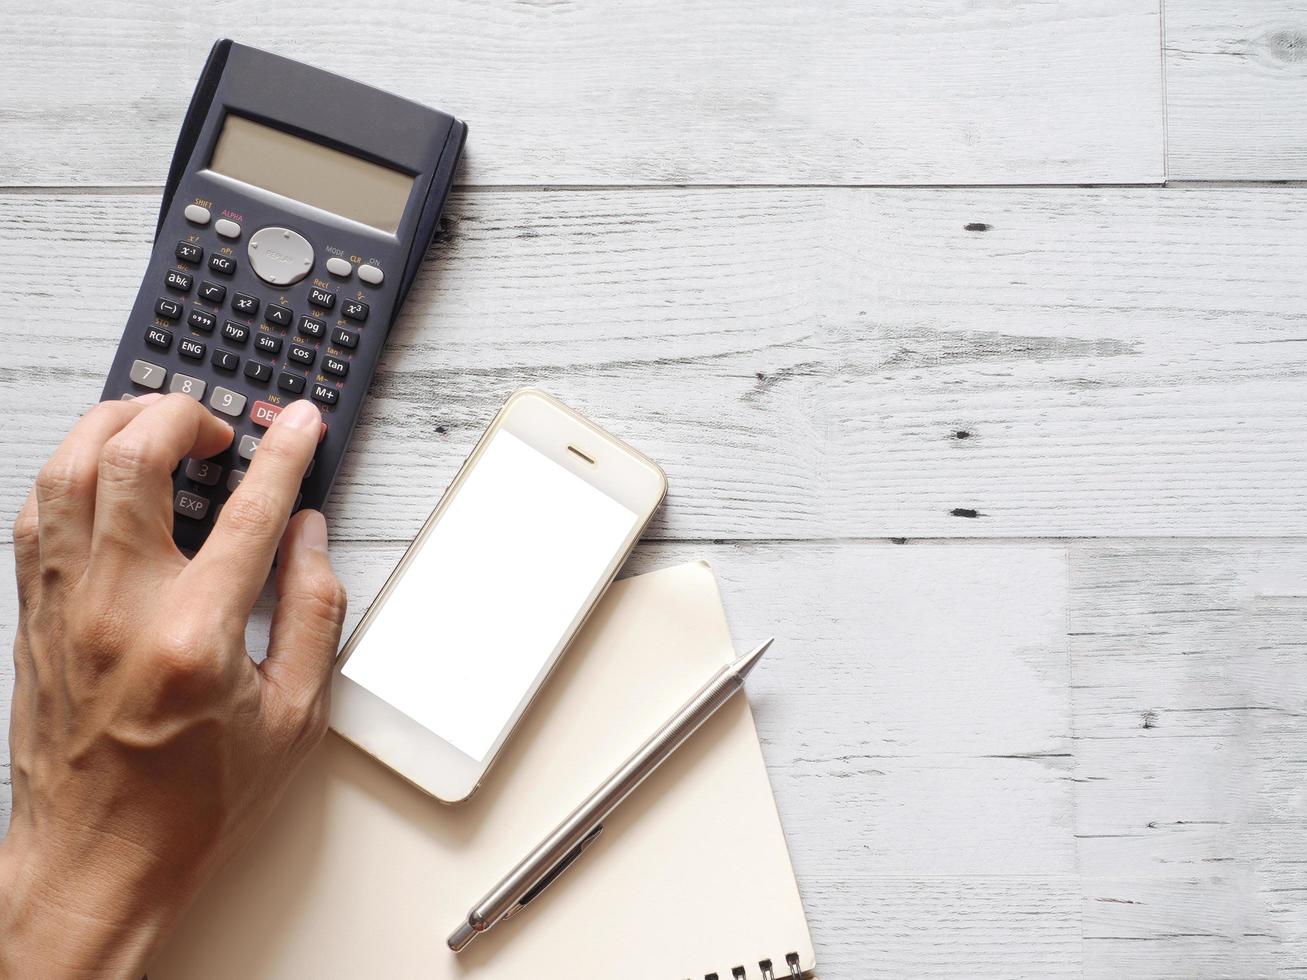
(297, 210)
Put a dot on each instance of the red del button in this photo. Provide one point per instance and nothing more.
(265, 413)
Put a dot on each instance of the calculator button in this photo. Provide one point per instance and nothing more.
(269, 343)
(371, 275)
(322, 297)
(294, 383)
(345, 338)
(212, 292)
(338, 266)
(264, 413)
(190, 505)
(222, 263)
(352, 309)
(237, 333)
(158, 337)
(258, 371)
(176, 279)
(196, 215)
(334, 365)
(227, 401)
(234, 480)
(280, 256)
(247, 447)
(227, 228)
(204, 471)
(186, 385)
(301, 355)
(224, 359)
(312, 327)
(168, 309)
(244, 304)
(279, 315)
(189, 252)
(147, 375)
(192, 348)
(202, 320)
(328, 396)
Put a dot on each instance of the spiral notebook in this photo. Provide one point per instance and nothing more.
(359, 875)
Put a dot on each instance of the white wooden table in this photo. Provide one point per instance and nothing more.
(971, 335)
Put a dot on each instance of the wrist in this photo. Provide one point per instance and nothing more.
(63, 917)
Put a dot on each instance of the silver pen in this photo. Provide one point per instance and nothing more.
(539, 869)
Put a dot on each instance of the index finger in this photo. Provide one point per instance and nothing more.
(243, 542)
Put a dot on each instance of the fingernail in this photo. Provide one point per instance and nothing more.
(153, 396)
(313, 530)
(300, 415)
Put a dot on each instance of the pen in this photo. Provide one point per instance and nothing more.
(555, 854)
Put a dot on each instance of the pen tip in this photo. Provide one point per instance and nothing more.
(750, 659)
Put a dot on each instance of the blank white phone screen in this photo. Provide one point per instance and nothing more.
(494, 589)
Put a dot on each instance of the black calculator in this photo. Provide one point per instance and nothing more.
(298, 208)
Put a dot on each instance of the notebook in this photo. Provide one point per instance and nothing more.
(359, 875)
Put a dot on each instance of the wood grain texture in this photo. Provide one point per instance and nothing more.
(815, 363)
(1236, 90)
(1189, 693)
(647, 92)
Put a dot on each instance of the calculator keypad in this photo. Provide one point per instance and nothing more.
(269, 348)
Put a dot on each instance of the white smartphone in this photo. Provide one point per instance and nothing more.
(506, 569)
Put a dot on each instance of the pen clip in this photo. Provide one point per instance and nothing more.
(554, 873)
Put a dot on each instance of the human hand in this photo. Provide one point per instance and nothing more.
(146, 745)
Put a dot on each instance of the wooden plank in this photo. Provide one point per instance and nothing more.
(717, 91)
(945, 927)
(811, 363)
(1236, 90)
(916, 722)
(1189, 688)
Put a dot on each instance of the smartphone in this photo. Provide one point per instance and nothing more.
(481, 607)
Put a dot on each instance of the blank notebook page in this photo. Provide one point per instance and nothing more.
(358, 874)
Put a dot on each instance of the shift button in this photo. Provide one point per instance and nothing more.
(196, 215)
(226, 228)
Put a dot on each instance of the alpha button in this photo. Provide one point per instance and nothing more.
(280, 256)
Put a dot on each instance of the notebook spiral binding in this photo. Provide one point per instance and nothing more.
(768, 971)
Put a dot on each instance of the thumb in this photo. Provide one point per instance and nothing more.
(307, 620)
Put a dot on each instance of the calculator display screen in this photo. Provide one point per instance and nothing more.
(493, 591)
(311, 173)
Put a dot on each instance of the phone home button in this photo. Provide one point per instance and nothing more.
(279, 256)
